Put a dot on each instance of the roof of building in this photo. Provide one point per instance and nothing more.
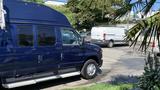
(26, 12)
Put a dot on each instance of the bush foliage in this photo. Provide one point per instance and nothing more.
(150, 80)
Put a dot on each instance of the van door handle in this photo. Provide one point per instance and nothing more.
(33, 49)
(61, 56)
(10, 49)
(59, 48)
(40, 58)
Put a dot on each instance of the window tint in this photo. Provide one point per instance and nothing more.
(25, 35)
(46, 35)
(69, 37)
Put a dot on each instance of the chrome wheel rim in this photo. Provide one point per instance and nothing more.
(91, 69)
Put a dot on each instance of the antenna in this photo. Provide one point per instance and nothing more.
(2, 16)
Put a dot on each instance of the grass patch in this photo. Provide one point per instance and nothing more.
(104, 86)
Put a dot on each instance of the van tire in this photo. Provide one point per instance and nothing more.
(110, 44)
(89, 69)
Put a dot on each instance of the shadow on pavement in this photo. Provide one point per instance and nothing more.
(118, 45)
(52, 83)
(121, 79)
(132, 63)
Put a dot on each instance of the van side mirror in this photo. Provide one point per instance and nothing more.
(87, 41)
(84, 41)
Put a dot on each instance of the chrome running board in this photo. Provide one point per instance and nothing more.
(34, 81)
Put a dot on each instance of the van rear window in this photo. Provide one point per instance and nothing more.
(25, 35)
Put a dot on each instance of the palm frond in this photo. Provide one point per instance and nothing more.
(148, 6)
(145, 32)
(127, 7)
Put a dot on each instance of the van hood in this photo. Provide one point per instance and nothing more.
(94, 47)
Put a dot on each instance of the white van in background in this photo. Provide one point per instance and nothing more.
(108, 36)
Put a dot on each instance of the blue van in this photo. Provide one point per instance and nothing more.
(39, 44)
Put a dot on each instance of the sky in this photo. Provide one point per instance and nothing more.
(155, 7)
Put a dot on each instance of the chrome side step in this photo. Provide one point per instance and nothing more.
(34, 81)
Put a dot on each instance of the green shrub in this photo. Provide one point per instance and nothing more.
(150, 80)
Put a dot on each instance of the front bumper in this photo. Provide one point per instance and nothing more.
(100, 63)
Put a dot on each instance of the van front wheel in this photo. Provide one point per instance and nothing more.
(89, 70)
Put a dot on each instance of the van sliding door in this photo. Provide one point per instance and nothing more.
(47, 49)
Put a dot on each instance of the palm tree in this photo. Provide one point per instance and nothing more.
(149, 27)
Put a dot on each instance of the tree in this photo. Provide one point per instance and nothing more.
(105, 6)
(36, 1)
(91, 12)
(84, 17)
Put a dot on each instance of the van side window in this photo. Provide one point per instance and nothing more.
(46, 35)
(69, 37)
(25, 35)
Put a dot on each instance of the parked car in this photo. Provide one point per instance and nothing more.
(108, 36)
(39, 44)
